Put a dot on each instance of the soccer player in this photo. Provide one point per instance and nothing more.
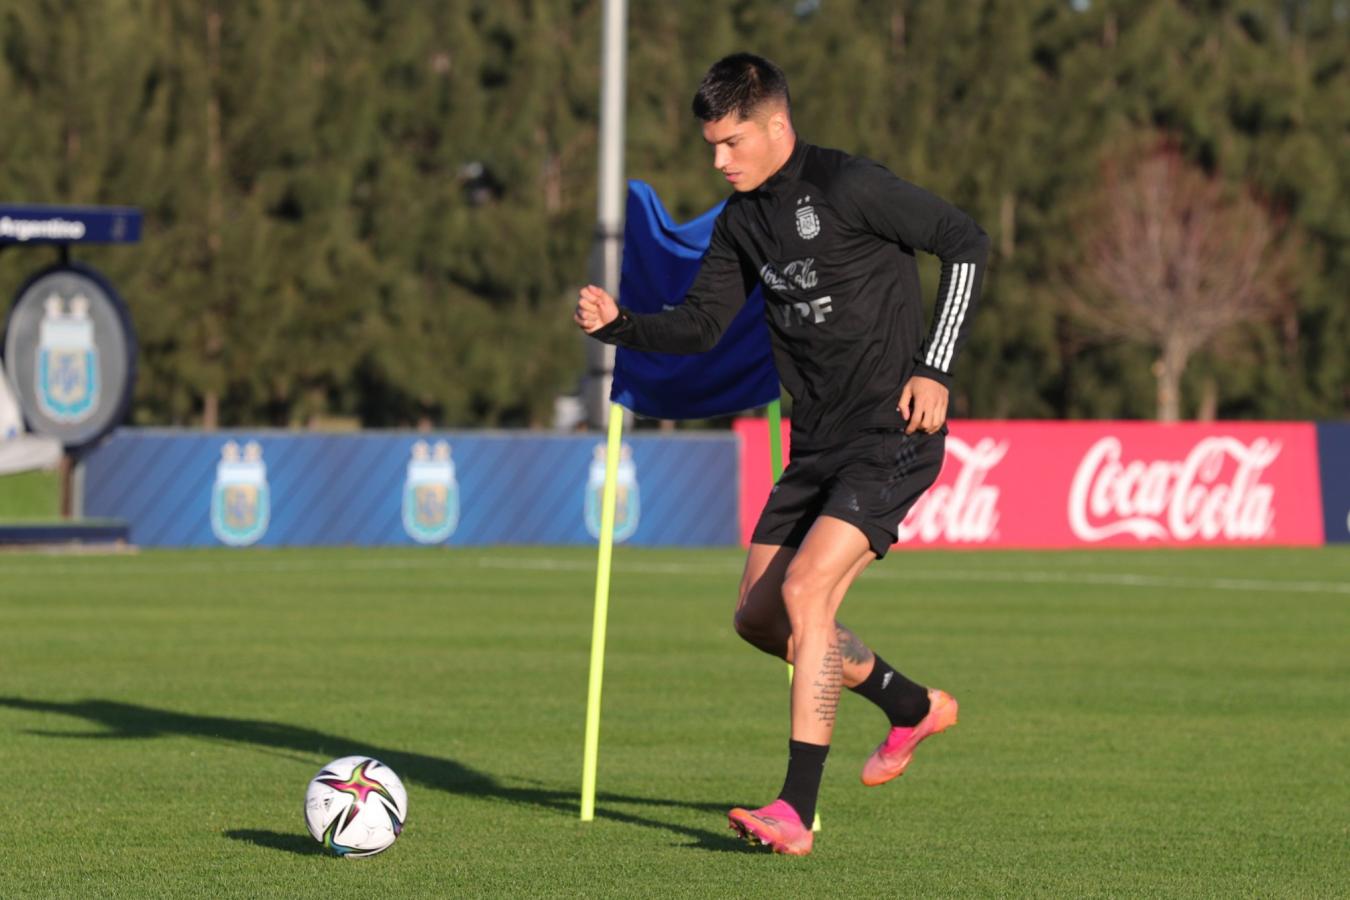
(832, 238)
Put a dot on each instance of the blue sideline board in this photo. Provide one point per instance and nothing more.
(1333, 454)
(276, 489)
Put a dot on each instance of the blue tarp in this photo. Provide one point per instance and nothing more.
(660, 260)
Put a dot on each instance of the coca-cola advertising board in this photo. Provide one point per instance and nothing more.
(1093, 484)
(1333, 440)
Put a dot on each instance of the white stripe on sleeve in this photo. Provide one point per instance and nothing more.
(960, 317)
(933, 352)
(945, 329)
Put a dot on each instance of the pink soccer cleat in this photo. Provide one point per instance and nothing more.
(891, 757)
(777, 826)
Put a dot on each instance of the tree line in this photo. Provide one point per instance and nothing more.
(378, 211)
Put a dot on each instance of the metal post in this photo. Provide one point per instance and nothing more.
(607, 251)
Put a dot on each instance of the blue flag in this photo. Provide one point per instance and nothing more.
(660, 260)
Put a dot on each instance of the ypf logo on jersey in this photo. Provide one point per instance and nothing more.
(430, 494)
(808, 223)
(626, 503)
(240, 500)
(67, 360)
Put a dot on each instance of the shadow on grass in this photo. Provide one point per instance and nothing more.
(130, 721)
(723, 843)
(299, 844)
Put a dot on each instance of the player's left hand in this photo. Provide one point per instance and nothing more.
(928, 399)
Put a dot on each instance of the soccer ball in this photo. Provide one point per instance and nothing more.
(356, 806)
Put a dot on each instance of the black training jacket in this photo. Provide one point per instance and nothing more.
(832, 238)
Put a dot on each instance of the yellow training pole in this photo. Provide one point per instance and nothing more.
(776, 439)
(592, 750)
(776, 466)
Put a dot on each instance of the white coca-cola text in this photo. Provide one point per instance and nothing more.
(966, 510)
(1196, 497)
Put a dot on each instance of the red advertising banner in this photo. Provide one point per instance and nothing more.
(1080, 484)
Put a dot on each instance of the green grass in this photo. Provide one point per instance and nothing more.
(1132, 724)
(30, 497)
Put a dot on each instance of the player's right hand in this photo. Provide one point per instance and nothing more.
(595, 309)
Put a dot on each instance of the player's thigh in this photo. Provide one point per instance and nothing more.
(840, 589)
(819, 573)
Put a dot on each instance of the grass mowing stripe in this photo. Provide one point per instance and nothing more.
(1108, 578)
(442, 563)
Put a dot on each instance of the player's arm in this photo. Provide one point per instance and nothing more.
(896, 210)
(717, 294)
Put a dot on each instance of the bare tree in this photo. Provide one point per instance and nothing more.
(1173, 258)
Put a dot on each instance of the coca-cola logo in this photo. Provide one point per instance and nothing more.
(1201, 496)
(965, 510)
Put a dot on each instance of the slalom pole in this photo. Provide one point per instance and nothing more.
(776, 467)
(776, 438)
(607, 502)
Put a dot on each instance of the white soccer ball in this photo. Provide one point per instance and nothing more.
(356, 806)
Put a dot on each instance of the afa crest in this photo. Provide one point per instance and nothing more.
(808, 223)
(67, 361)
(626, 504)
(241, 503)
(430, 494)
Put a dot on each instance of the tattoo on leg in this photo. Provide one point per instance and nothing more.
(828, 684)
(854, 650)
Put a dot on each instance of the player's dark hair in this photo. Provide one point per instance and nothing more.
(740, 83)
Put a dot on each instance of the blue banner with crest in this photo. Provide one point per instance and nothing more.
(275, 489)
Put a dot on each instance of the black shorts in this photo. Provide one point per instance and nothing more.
(870, 482)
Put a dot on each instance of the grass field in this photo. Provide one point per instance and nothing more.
(30, 497)
(1132, 724)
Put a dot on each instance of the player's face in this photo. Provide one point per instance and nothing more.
(748, 151)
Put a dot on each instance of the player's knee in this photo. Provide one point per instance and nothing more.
(744, 626)
(767, 636)
(806, 596)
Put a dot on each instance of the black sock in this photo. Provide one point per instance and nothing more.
(806, 763)
(904, 702)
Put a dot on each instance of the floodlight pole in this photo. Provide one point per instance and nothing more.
(607, 249)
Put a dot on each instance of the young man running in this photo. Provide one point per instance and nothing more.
(832, 238)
